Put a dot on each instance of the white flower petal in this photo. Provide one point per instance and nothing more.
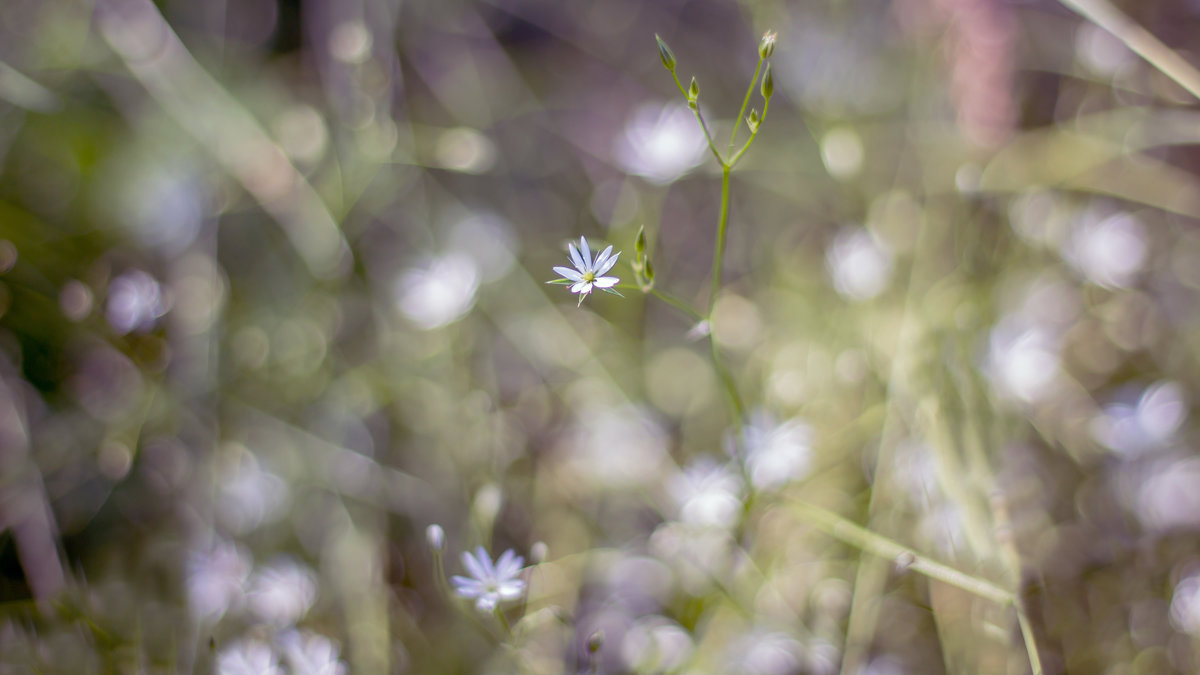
(474, 567)
(601, 258)
(576, 259)
(569, 273)
(606, 282)
(587, 253)
(582, 287)
(608, 264)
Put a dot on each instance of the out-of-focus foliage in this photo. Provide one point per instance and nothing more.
(272, 302)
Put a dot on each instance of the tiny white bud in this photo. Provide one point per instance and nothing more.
(436, 536)
(538, 552)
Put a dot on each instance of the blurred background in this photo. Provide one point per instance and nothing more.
(272, 302)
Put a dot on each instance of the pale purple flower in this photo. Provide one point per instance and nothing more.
(588, 273)
(490, 583)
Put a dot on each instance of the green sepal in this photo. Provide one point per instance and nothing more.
(560, 281)
(613, 291)
(768, 84)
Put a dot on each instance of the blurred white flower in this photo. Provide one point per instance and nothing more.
(435, 536)
(1023, 359)
(707, 494)
(660, 143)
(915, 470)
(1165, 495)
(942, 526)
(766, 653)
(588, 273)
(489, 239)
(641, 583)
(777, 454)
(282, 592)
(615, 447)
(1185, 605)
(859, 263)
(309, 653)
(656, 644)
(490, 583)
(248, 657)
(440, 292)
(248, 495)
(697, 554)
(1108, 252)
(135, 302)
(1100, 51)
(1132, 428)
(216, 579)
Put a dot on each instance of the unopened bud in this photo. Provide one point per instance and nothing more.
(752, 120)
(649, 273)
(664, 53)
(639, 244)
(693, 90)
(767, 47)
(768, 83)
(436, 536)
(595, 641)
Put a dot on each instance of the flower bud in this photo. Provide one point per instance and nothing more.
(767, 47)
(649, 273)
(693, 90)
(768, 83)
(639, 245)
(538, 552)
(664, 53)
(752, 120)
(436, 537)
(595, 641)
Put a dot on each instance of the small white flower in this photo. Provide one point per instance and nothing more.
(490, 583)
(588, 274)
(216, 579)
(311, 653)
(776, 453)
(708, 494)
(282, 593)
(249, 657)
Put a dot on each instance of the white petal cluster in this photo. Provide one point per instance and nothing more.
(490, 583)
(589, 273)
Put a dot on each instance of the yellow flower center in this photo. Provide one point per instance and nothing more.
(589, 277)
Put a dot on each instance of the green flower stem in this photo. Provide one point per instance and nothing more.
(878, 545)
(708, 137)
(439, 577)
(734, 160)
(503, 621)
(719, 249)
(677, 304)
(731, 392)
(700, 118)
(737, 121)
